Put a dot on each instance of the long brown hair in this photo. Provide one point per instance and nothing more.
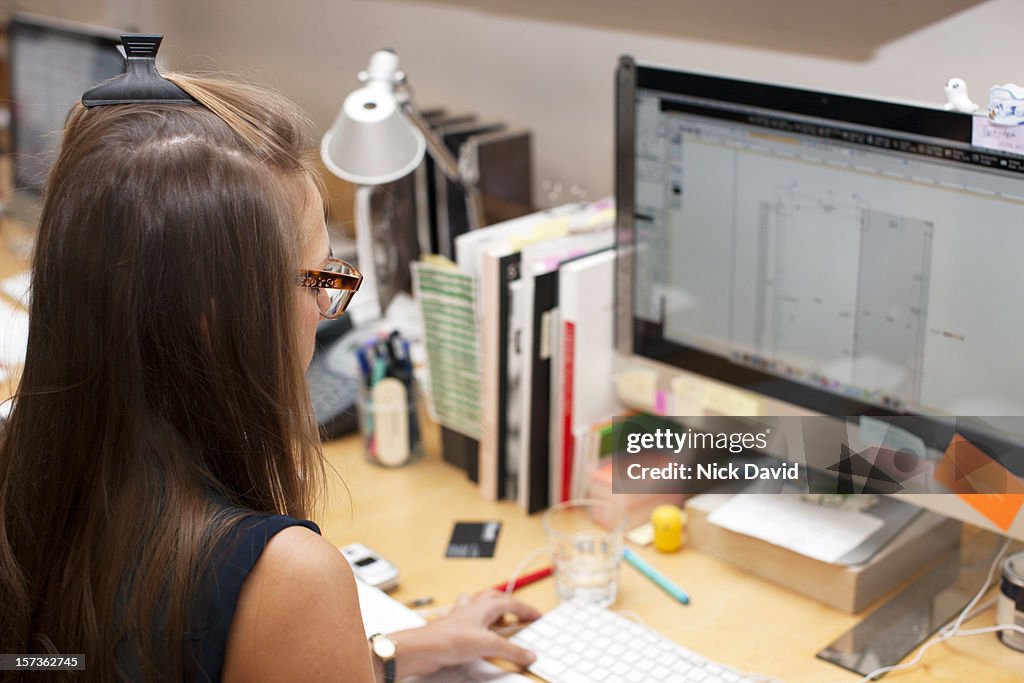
(162, 373)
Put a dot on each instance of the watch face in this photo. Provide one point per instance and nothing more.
(384, 647)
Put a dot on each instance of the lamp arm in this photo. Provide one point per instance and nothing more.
(444, 159)
(449, 165)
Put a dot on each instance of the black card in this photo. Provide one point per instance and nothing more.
(473, 539)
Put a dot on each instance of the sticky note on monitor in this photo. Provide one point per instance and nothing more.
(636, 388)
(982, 482)
(725, 401)
(687, 396)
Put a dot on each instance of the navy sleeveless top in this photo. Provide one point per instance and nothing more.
(241, 549)
(213, 608)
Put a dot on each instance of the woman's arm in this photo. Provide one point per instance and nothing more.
(298, 619)
(298, 616)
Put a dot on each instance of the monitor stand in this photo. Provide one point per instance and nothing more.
(910, 616)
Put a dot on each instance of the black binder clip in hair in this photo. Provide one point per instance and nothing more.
(141, 82)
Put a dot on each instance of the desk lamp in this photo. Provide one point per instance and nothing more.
(378, 137)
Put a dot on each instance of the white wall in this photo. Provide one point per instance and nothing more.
(549, 65)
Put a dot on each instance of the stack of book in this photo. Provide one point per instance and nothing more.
(543, 301)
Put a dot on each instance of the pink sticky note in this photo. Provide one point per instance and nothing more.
(660, 402)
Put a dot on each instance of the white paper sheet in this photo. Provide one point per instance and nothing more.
(817, 531)
(18, 287)
(382, 614)
(13, 335)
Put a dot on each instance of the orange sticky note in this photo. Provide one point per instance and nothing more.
(981, 482)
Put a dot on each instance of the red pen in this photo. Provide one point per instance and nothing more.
(525, 579)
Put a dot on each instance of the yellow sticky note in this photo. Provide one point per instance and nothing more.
(636, 388)
(725, 401)
(545, 230)
(641, 535)
(687, 396)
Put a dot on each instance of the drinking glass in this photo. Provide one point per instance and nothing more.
(585, 539)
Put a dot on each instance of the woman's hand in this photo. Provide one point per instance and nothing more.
(463, 635)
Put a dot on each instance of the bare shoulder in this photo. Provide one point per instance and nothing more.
(298, 615)
(301, 558)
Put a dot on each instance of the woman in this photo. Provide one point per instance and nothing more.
(161, 452)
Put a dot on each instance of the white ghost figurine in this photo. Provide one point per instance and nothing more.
(956, 97)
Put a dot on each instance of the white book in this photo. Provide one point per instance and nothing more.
(491, 254)
(538, 258)
(586, 331)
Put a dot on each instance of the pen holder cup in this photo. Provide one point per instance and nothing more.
(389, 423)
(585, 541)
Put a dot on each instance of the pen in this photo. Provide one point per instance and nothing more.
(525, 579)
(364, 363)
(420, 602)
(655, 576)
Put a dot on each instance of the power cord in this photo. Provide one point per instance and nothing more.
(953, 630)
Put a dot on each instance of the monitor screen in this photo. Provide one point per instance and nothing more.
(847, 255)
(52, 63)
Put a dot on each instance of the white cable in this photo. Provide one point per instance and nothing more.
(988, 604)
(984, 588)
(992, 629)
(953, 630)
(939, 639)
(530, 557)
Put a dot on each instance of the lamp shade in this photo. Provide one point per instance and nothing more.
(372, 142)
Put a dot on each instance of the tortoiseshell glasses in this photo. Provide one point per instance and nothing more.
(335, 284)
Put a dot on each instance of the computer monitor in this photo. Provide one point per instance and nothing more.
(52, 62)
(833, 254)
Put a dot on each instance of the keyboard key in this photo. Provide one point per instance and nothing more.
(645, 664)
(574, 677)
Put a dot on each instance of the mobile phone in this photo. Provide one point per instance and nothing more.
(370, 567)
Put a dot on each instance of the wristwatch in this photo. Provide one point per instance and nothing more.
(384, 648)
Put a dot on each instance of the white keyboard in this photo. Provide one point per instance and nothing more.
(578, 643)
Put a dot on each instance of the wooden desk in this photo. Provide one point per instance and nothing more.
(407, 515)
